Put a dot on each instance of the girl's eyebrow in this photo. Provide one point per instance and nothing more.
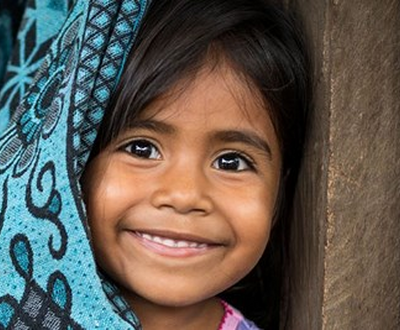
(246, 137)
(153, 125)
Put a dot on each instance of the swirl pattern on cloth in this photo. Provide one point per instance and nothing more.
(64, 66)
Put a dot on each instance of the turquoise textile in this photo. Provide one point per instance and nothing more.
(58, 74)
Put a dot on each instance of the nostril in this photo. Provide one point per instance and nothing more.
(182, 201)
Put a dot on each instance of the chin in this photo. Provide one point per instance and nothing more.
(167, 296)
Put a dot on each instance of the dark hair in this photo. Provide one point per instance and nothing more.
(264, 47)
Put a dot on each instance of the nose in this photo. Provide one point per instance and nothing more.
(183, 188)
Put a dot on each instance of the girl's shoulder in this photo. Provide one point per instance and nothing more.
(234, 320)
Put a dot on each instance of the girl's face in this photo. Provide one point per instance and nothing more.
(180, 205)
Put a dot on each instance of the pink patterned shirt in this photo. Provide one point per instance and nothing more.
(234, 320)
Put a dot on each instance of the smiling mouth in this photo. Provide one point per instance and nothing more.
(171, 243)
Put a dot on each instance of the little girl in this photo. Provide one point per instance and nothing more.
(193, 171)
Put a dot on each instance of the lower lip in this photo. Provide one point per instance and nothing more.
(177, 252)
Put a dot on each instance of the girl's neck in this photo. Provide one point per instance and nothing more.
(202, 316)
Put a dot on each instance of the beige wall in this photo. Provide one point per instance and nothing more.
(346, 242)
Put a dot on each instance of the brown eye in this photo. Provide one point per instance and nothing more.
(234, 162)
(142, 149)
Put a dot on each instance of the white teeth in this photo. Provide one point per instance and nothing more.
(170, 242)
(156, 239)
(146, 236)
(183, 244)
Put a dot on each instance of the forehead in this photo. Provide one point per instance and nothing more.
(217, 96)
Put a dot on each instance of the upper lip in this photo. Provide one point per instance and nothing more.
(178, 236)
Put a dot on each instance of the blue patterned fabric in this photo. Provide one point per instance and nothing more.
(64, 65)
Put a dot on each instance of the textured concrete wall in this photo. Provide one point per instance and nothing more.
(346, 242)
